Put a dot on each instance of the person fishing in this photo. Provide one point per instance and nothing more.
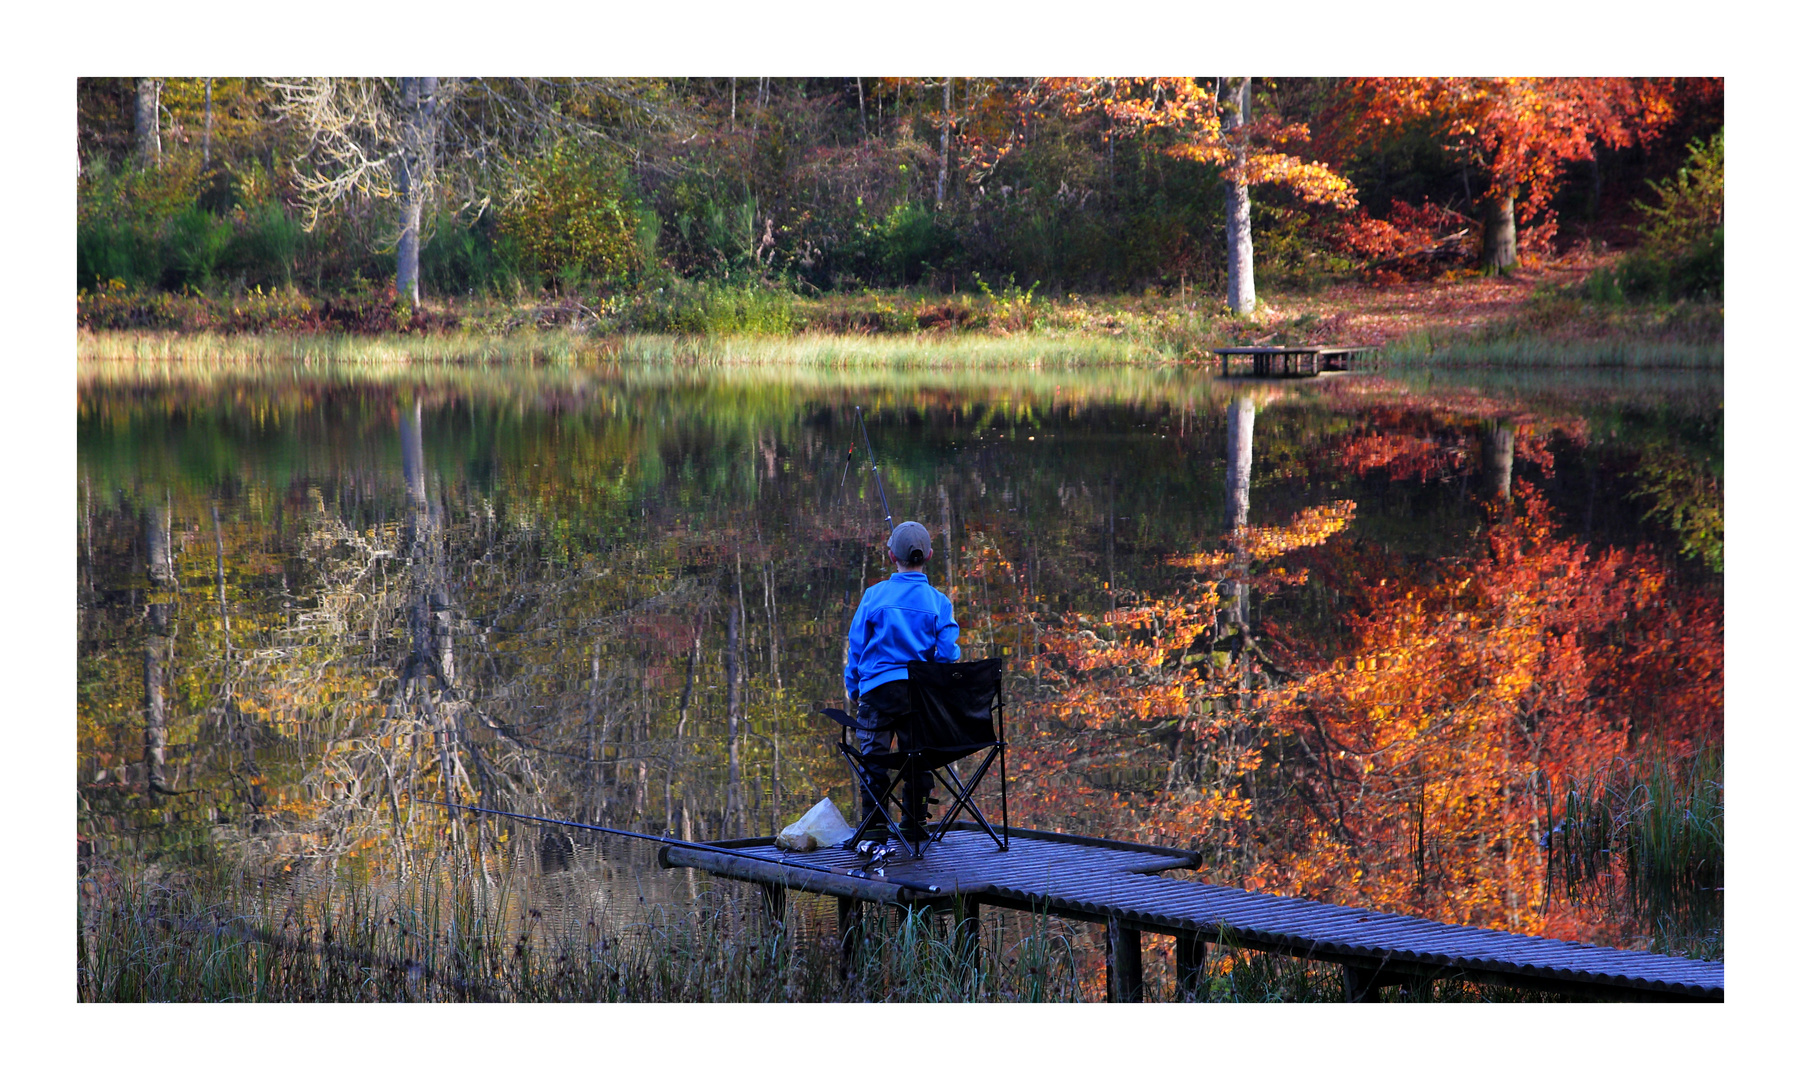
(898, 620)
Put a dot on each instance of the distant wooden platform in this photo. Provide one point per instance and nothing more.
(1293, 360)
(1116, 884)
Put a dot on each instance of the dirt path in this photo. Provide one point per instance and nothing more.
(1373, 314)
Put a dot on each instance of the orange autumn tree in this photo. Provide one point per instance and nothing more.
(1473, 691)
(1212, 124)
(1519, 133)
(1162, 684)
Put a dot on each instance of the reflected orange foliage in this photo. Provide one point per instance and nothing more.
(1414, 768)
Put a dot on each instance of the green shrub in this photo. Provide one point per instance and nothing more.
(911, 242)
(1683, 237)
(194, 242)
(1691, 206)
(578, 219)
(112, 251)
(469, 257)
(265, 245)
(683, 307)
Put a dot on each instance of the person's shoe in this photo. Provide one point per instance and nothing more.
(914, 832)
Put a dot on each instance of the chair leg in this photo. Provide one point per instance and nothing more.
(870, 796)
(962, 796)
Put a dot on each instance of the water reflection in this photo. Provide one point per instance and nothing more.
(311, 607)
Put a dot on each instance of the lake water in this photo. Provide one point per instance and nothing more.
(1352, 638)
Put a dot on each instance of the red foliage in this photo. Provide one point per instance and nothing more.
(1519, 131)
(1413, 236)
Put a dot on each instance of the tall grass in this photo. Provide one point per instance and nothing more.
(1544, 352)
(909, 351)
(1649, 837)
(159, 352)
(219, 935)
(556, 346)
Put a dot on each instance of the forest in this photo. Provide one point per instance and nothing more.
(868, 204)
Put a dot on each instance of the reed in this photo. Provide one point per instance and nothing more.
(1647, 837)
(444, 936)
(451, 936)
(161, 351)
(1049, 349)
(1528, 351)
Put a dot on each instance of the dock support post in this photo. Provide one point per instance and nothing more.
(850, 932)
(966, 935)
(1125, 962)
(1191, 966)
(775, 904)
(1360, 984)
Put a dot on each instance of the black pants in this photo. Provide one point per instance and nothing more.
(888, 707)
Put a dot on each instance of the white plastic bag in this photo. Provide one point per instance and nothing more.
(819, 827)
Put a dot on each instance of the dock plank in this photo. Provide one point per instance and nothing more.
(1101, 881)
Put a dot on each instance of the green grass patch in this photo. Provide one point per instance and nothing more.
(1531, 351)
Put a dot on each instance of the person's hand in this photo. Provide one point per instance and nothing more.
(851, 700)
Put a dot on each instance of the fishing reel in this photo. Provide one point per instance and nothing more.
(876, 853)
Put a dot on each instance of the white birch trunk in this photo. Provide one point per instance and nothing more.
(944, 143)
(419, 133)
(1241, 416)
(1241, 287)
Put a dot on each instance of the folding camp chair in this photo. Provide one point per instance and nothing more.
(957, 713)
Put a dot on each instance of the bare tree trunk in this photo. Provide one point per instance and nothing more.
(419, 136)
(147, 121)
(431, 650)
(157, 559)
(1241, 417)
(206, 139)
(681, 726)
(155, 717)
(1500, 239)
(944, 143)
(862, 113)
(591, 769)
(734, 802)
(161, 570)
(1241, 287)
(1497, 461)
(772, 618)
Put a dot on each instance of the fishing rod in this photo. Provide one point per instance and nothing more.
(673, 842)
(848, 455)
(886, 514)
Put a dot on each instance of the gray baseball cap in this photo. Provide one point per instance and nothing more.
(910, 537)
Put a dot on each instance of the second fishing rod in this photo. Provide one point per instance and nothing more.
(921, 888)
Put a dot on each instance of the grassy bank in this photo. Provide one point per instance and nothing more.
(215, 936)
(1492, 324)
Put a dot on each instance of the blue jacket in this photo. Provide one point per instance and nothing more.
(898, 620)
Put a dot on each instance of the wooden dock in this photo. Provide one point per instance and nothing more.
(1116, 885)
(1293, 360)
